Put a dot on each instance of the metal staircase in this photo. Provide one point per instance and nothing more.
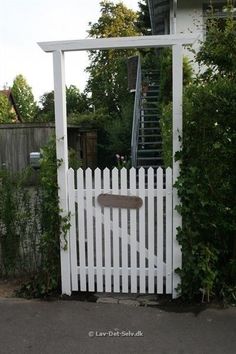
(146, 144)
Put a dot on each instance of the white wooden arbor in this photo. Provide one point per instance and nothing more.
(58, 49)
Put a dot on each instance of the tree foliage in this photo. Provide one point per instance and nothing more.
(107, 70)
(46, 111)
(6, 116)
(108, 82)
(143, 21)
(76, 103)
(215, 53)
(24, 99)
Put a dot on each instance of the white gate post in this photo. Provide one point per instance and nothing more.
(177, 126)
(62, 156)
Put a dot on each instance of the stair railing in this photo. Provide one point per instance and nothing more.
(136, 115)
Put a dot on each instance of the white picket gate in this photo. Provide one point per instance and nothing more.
(119, 249)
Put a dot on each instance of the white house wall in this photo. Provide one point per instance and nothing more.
(189, 19)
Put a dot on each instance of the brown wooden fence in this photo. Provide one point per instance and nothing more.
(17, 141)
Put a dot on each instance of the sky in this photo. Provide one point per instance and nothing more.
(23, 23)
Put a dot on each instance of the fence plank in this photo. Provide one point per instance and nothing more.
(150, 230)
(159, 230)
(142, 232)
(115, 229)
(124, 232)
(81, 226)
(107, 233)
(168, 221)
(98, 231)
(72, 232)
(133, 233)
(89, 222)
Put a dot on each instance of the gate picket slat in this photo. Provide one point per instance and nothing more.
(81, 226)
(72, 232)
(98, 230)
(150, 230)
(142, 233)
(133, 233)
(168, 230)
(124, 232)
(159, 230)
(107, 233)
(116, 244)
(89, 221)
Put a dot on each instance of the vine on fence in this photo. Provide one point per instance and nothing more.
(19, 224)
(47, 280)
(207, 186)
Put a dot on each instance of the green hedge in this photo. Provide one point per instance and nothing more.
(207, 188)
(207, 183)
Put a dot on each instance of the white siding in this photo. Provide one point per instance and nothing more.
(190, 20)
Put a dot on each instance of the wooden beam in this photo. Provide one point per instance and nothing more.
(62, 157)
(177, 123)
(119, 43)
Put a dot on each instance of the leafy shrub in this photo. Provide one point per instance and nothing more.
(19, 224)
(166, 75)
(207, 183)
(166, 100)
(113, 131)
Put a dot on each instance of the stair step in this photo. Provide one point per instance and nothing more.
(148, 97)
(150, 122)
(147, 135)
(148, 101)
(158, 159)
(150, 70)
(146, 131)
(149, 150)
(150, 128)
(151, 143)
(149, 105)
(151, 115)
(145, 158)
(147, 70)
(150, 109)
(152, 146)
(155, 122)
(152, 93)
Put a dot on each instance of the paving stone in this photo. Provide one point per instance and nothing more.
(125, 296)
(129, 302)
(152, 303)
(107, 300)
(98, 295)
(148, 297)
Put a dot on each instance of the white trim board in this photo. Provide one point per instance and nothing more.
(119, 43)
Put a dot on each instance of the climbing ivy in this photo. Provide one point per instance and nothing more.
(207, 185)
(47, 279)
(19, 225)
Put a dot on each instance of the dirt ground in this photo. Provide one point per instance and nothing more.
(8, 287)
